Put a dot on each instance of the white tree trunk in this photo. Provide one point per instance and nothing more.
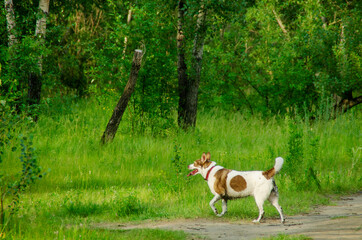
(10, 19)
(41, 27)
(129, 18)
(41, 22)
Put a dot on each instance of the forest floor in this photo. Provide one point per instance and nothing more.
(342, 220)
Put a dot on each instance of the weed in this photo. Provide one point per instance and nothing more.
(81, 208)
(294, 168)
(129, 205)
(14, 185)
(179, 179)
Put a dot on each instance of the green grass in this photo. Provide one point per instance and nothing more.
(133, 178)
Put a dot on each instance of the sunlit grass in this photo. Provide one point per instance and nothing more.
(87, 182)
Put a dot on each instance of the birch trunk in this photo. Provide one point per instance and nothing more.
(129, 18)
(34, 91)
(41, 26)
(10, 19)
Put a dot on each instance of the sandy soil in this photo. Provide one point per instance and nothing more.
(340, 221)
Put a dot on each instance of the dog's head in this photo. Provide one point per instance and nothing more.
(200, 165)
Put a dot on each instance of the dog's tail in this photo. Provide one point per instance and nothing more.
(278, 164)
(277, 167)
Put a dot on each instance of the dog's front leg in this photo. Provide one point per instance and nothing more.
(224, 208)
(213, 201)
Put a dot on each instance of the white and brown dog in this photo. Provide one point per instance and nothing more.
(228, 184)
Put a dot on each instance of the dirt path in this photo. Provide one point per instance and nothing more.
(342, 221)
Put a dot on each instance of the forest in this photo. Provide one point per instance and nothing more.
(246, 80)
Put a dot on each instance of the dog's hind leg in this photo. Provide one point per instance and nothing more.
(213, 201)
(224, 208)
(273, 199)
(259, 203)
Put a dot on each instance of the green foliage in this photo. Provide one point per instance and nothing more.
(267, 57)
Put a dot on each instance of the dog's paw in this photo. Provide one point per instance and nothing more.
(220, 215)
(256, 221)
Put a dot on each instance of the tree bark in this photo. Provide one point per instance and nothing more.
(35, 82)
(11, 24)
(41, 27)
(346, 102)
(116, 118)
(190, 94)
(129, 18)
(181, 65)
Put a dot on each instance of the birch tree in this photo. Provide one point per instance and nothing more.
(35, 82)
(11, 24)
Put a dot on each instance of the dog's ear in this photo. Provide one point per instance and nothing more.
(208, 156)
(203, 158)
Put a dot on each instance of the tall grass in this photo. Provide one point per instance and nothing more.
(135, 177)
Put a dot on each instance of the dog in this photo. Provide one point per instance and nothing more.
(228, 184)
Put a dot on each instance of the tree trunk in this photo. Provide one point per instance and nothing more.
(35, 82)
(41, 27)
(116, 118)
(193, 80)
(129, 18)
(346, 102)
(181, 65)
(11, 24)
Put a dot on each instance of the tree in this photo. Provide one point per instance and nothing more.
(35, 82)
(181, 64)
(116, 118)
(11, 24)
(189, 83)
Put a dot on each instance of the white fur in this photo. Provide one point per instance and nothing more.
(257, 185)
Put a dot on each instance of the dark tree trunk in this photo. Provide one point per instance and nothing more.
(34, 88)
(189, 85)
(346, 102)
(116, 118)
(181, 65)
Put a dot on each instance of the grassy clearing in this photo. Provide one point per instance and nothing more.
(143, 176)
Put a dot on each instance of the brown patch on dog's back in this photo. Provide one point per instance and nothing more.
(220, 181)
(238, 183)
(269, 173)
